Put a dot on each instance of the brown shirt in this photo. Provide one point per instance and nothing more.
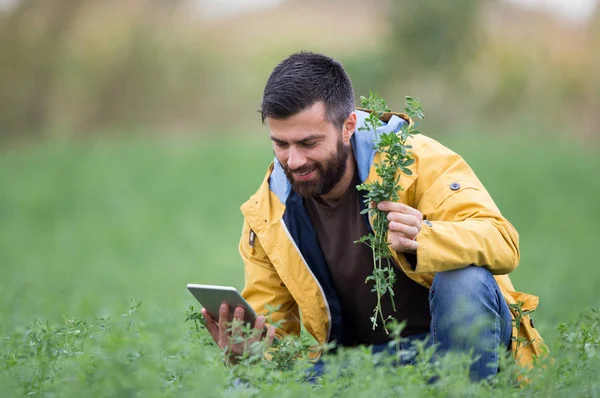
(350, 263)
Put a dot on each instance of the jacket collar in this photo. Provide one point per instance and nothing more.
(363, 139)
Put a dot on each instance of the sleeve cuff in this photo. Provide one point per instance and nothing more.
(421, 258)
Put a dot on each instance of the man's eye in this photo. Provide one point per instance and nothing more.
(281, 145)
(309, 144)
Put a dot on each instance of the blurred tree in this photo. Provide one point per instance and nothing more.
(431, 35)
(70, 65)
(31, 55)
(129, 94)
(425, 50)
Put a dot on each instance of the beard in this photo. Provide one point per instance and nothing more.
(328, 174)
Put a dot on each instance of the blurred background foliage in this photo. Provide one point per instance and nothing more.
(90, 215)
(79, 67)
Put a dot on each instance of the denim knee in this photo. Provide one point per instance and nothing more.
(468, 312)
(458, 298)
(468, 282)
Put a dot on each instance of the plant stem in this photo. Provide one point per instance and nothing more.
(394, 160)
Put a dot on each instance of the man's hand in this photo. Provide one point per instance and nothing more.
(405, 225)
(225, 336)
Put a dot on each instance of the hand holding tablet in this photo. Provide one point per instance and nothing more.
(222, 304)
(211, 297)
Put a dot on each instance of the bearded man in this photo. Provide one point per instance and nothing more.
(452, 247)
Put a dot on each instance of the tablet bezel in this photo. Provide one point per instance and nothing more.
(212, 296)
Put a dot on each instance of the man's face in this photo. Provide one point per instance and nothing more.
(312, 151)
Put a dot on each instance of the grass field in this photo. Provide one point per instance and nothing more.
(86, 226)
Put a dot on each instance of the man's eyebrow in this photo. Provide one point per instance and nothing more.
(304, 140)
(277, 140)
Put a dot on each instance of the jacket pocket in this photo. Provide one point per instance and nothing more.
(440, 191)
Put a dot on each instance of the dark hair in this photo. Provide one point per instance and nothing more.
(301, 80)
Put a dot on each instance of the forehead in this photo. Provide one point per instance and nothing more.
(310, 121)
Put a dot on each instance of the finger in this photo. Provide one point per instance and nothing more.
(399, 208)
(223, 325)
(259, 328)
(406, 219)
(238, 321)
(211, 325)
(239, 313)
(270, 335)
(391, 206)
(405, 245)
(406, 230)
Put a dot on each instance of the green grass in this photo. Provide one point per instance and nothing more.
(87, 225)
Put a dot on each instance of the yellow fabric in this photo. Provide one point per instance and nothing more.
(467, 228)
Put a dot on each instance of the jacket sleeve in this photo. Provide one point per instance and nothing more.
(264, 287)
(464, 226)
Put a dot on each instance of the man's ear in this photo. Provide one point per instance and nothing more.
(349, 127)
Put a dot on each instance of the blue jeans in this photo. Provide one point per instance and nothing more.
(468, 314)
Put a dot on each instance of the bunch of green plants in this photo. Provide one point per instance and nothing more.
(395, 161)
(133, 354)
(281, 354)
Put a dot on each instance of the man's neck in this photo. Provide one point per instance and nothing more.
(337, 193)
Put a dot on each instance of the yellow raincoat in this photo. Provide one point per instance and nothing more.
(285, 268)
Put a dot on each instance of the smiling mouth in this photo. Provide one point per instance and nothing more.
(304, 174)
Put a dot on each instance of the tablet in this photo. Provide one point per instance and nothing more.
(211, 297)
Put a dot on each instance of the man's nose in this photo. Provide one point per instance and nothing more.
(295, 159)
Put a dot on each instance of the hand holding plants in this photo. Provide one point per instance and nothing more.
(398, 229)
(235, 339)
(404, 226)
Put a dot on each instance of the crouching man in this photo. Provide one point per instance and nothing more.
(452, 247)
